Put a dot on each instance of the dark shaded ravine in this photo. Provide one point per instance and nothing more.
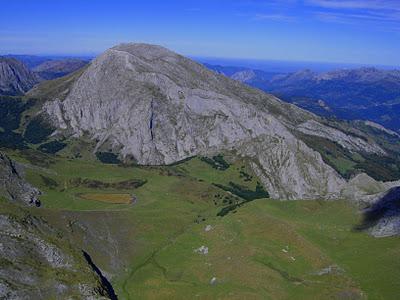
(104, 281)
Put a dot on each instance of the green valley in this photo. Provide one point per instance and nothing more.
(153, 248)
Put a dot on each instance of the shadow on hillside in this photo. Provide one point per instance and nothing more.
(388, 205)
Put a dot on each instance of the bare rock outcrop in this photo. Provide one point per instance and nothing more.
(12, 184)
(159, 107)
(15, 77)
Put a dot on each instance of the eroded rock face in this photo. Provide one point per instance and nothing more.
(382, 218)
(36, 261)
(12, 184)
(34, 268)
(15, 77)
(159, 107)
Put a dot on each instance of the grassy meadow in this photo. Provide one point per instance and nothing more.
(260, 249)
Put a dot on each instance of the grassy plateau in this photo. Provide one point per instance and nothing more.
(158, 232)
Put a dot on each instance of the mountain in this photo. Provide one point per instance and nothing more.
(158, 178)
(15, 77)
(160, 108)
(363, 93)
(30, 61)
(57, 68)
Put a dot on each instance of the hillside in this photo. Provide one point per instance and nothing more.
(187, 234)
(161, 108)
(36, 261)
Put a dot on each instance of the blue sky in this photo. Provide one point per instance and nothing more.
(349, 31)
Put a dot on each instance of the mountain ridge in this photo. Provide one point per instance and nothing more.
(15, 77)
(160, 108)
(364, 93)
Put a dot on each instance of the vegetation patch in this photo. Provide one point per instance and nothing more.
(97, 184)
(37, 158)
(48, 182)
(109, 198)
(12, 140)
(107, 158)
(217, 162)
(52, 147)
(245, 176)
(381, 168)
(11, 110)
(244, 192)
(38, 130)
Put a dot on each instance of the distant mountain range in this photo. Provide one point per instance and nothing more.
(52, 69)
(19, 73)
(363, 93)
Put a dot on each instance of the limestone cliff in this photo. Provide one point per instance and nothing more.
(158, 107)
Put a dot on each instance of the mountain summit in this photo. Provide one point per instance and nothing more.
(157, 107)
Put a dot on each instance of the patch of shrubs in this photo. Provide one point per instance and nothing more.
(38, 130)
(244, 192)
(107, 158)
(380, 167)
(217, 162)
(97, 184)
(12, 140)
(37, 158)
(52, 147)
(50, 183)
(246, 177)
(11, 109)
(226, 210)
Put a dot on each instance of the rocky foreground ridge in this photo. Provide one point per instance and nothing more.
(12, 184)
(157, 107)
(36, 262)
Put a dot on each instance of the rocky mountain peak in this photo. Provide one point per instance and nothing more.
(150, 104)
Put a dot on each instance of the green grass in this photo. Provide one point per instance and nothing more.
(148, 249)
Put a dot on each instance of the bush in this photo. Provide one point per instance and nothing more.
(38, 130)
(12, 140)
(11, 109)
(50, 183)
(107, 157)
(217, 162)
(52, 147)
(244, 192)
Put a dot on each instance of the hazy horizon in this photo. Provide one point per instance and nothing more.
(335, 31)
(271, 65)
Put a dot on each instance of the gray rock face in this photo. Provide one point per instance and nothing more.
(382, 218)
(34, 268)
(36, 261)
(12, 184)
(159, 107)
(15, 78)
